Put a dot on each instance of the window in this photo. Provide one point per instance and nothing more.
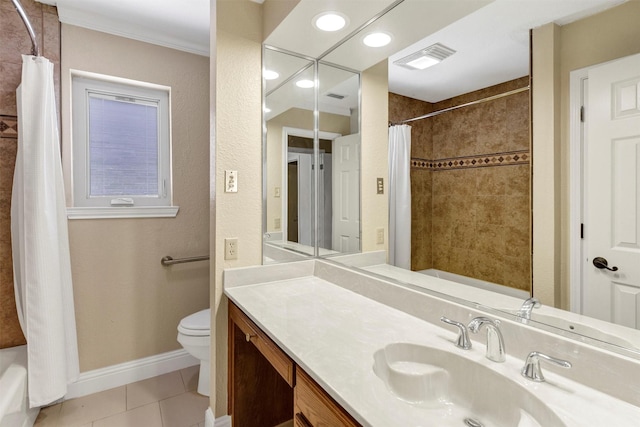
(121, 149)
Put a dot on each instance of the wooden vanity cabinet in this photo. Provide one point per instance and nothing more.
(267, 389)
(314, 407)
(261, 376)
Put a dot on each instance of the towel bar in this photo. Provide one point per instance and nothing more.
(168, 260)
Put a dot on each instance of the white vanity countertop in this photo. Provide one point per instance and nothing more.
(333, 333)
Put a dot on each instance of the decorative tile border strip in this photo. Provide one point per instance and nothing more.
(521, 157)
(9, 127)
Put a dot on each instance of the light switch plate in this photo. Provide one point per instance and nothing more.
(230, 181)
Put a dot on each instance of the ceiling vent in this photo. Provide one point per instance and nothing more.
(426, 57)
(335, 95)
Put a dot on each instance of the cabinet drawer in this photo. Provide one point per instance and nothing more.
(313, 407)
(276, 357)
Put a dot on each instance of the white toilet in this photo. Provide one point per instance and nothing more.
(194, 334)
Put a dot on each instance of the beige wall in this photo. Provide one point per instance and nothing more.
(556, 52)
(294, 118)
(127, 305)
(238, 146)
(374, 155)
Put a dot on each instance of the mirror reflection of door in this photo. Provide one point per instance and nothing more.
(612, 192)
(299, 191)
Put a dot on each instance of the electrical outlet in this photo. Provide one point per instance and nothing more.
(231, 248)
(276, 223)
(380, 236)
(230, 181)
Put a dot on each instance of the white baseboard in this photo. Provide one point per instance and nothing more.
(224, 421)
(129, 372)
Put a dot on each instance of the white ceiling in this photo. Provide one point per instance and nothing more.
(178, 24)
(491, 42)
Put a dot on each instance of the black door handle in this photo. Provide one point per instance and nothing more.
(601, 263)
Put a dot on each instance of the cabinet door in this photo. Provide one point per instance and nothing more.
(260, 376)
(315, 408)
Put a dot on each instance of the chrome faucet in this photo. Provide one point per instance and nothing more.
(527, 307)
(463, 340)
(495, 341)
(531, 369)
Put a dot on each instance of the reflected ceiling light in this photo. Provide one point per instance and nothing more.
(426, 57)
(330, 21)
(377, 39)
(267, 109)
(305, 84)
(270, 75)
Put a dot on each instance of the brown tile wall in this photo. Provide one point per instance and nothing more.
(15, 42)
(470, 180)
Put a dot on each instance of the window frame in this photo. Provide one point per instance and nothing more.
(85, 206)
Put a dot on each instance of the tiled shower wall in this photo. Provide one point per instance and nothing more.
(15, 43)
(470, 185)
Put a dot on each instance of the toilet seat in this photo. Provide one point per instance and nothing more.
(197, 324)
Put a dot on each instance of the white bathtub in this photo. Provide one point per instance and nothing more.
(477, 283)
(14, 407)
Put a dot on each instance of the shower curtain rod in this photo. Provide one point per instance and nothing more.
(35, 50)
(444, 110)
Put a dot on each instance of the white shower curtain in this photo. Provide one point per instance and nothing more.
(42, 269)
(400, 196)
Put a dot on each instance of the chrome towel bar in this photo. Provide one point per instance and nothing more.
(168, 260)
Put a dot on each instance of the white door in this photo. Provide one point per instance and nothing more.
(612, 177)
(346, 193)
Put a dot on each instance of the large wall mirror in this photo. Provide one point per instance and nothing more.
(312, 162)
(471, 162)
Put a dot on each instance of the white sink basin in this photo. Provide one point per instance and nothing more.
(457, 391)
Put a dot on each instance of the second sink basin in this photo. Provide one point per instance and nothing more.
(450, 386)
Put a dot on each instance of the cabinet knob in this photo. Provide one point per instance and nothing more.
(248, 336)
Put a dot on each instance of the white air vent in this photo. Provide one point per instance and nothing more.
(425, 57)
(335, 95)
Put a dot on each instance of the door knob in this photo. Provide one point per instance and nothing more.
(601, 263)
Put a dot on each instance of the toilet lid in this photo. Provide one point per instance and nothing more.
(197, 324)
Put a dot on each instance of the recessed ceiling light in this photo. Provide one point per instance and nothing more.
(377, 39)
(270, 74)
(330, 21)
(305, 84)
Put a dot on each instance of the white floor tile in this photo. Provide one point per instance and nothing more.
(184, 410)
(147, 416)
(154, 389)
(83, 410)
(190, 377)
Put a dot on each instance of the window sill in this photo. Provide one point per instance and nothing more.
(123, 212)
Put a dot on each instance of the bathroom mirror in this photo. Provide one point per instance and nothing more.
(312, 163)
(547, 317)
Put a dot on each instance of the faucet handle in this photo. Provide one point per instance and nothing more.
(531, 369)
(463, 341)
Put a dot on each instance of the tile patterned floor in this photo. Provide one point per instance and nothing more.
(169, 400)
